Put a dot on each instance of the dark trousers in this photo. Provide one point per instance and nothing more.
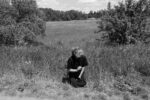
(72, 79)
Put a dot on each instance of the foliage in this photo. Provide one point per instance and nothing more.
(97, 14)
(8, 15)
(15, 34)
(55, 15)
(25, 7)
(38, 27)
(20, 21)
(126, 23)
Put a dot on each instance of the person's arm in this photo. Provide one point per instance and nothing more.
(82, 71)
(84, 63)
(73, 70)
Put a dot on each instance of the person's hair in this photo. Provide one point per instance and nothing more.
(81, 52)
(75, 50)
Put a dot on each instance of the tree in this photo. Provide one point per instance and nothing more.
(29, 13)
(25, 7)
(109, 6)
(126, 23)
(56, 15)
(20, 20)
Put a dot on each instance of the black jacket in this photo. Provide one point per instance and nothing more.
(74, 63)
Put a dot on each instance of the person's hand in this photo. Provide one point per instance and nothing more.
(79, 77)
(79, 68)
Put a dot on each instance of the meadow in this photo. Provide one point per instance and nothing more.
(35, 72)
(70, 33)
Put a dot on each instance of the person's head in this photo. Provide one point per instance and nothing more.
(74, 51)
(80, 52)
(77, 52)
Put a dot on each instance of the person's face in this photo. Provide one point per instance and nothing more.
(77, 54)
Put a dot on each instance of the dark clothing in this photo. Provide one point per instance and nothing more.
(77, 82)
(73, 77)
(74, 63)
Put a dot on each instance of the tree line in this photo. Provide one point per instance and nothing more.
(57, 15)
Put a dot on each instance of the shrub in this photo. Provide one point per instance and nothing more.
(126, 23)
(42, 26)
(114, 29)
(7, 20)
(37, 28)
(14, 35)
(25, 7)
(8, 15)
(20, 22)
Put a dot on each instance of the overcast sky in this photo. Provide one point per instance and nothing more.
(83, 5)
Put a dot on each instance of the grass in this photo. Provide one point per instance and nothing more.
(37, 72)
(71, 33)
(114, 73)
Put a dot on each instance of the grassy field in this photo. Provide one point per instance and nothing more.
(71, 33)
(35, 73)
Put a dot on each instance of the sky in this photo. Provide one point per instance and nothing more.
(82, 5)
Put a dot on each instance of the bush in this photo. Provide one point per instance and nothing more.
(7, 20)
(126, 23)
(38, 28)
(25, 7)
(14, 35)
(8, 15)
(20, 22)
(114, 29)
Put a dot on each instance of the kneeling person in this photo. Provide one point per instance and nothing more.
(76, 67)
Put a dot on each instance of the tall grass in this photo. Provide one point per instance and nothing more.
(119, 60)
(33, 60)
(124, 64)
(110, 68)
